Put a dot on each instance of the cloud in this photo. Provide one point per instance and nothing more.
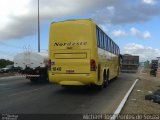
(16, 20)
(104, 28)
(145, 52)
(126, 12)
(137, 33)
(133, 32)
(19, 18)
(146, 35)
(152, 2)
(119, 33)
(19, 28)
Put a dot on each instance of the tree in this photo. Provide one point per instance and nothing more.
(4, 63)
(146, 64)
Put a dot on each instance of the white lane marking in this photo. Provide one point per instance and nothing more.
(121, 105)
(2, 78)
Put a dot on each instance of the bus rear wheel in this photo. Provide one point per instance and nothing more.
(105, 79)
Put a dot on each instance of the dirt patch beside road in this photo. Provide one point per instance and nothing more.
(136, 103)
(6, 74)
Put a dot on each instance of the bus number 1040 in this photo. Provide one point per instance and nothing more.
(56, 69)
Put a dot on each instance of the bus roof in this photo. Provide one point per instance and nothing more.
(89, 19)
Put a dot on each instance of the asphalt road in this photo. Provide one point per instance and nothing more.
(20, 96)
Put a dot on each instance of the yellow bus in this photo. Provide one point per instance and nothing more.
(80, 53)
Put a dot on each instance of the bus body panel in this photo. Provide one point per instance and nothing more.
(108, 61)
(69, 61)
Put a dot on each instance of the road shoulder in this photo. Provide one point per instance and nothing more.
(136, 103)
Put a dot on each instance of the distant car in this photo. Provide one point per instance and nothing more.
(9, 68)
(153, 72)
(15, 69)
(5, 70)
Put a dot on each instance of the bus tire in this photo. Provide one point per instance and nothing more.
(105, 79)
(99, 87)
(64, 86)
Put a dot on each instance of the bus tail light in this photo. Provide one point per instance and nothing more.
(92, 65)
(49, 64)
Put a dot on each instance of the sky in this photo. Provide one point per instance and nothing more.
(132, 24)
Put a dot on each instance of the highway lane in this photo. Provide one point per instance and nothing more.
(19, 95)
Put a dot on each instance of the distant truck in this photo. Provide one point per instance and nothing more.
(33, 66)
(154, 64)
(130, 63)
(154, 67)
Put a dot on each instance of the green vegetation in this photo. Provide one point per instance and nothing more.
(146, 64)
(4, 62)
(146, 67)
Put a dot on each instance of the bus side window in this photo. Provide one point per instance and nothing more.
(113, 47)
(103, 41)
(116, 50)
(109, 44)
(98, 40)
(105, 44)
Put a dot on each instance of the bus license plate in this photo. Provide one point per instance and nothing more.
(69, 71)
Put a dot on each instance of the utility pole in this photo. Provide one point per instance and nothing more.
(38, 29)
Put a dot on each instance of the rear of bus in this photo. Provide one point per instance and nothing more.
(72, 53)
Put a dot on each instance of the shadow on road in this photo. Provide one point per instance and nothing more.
(84, 90)
(77, 90)
(38, 82)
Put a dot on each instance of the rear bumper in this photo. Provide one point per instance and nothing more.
(34, 73)
(73, 79)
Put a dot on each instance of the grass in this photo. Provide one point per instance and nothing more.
(6, 74)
